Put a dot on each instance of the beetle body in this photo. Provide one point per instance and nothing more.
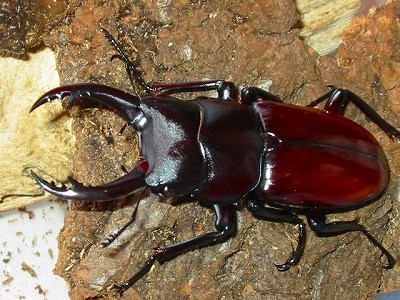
(281, 153)
(223, 152)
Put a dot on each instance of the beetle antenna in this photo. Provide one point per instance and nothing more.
(130, 68)
(112, 237)
(122, 131)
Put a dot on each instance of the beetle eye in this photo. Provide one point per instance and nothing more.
(167, 192)
(139, 122)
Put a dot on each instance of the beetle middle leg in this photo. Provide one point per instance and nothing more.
(337, 101)
(226, 227)
(317, 223)
(253, 94)
(278, 215)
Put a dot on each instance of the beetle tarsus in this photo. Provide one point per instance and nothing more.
(122, 287)
(317, 223)
(287, 265)
(112, 237)
(297, 253)
(391, 261)
(277, 215)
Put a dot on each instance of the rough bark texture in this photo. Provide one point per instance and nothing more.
(24, 23)
(253, 43)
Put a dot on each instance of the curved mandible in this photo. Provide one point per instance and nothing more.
(124, 103)
(116, 189)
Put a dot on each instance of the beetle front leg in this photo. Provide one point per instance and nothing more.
(226, 227)
(278, 215)
(226, 90)
(318, 224)
(130, 68)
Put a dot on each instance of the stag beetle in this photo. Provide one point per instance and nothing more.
(258, 151)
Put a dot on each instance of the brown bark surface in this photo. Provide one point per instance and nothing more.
(253, 43)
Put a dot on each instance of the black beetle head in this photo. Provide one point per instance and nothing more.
(169, 142)
(169, 130)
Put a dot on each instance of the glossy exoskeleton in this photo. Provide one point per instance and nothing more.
(280, 160)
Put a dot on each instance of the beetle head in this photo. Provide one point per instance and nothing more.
(169, 143)
(168, 128)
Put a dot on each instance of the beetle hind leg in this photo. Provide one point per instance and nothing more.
(318, 224)
(337, 101)
(278, 215)
(249, 95)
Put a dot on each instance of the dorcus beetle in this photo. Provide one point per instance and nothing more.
(221, 152)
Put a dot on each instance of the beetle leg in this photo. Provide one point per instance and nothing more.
(116, 189)
(226, 89)
(337, 100)
(317, 223)
(130, 68)
(226, 227)
(323, 98)
(112, 237)
(249, 95)
(278, 215)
